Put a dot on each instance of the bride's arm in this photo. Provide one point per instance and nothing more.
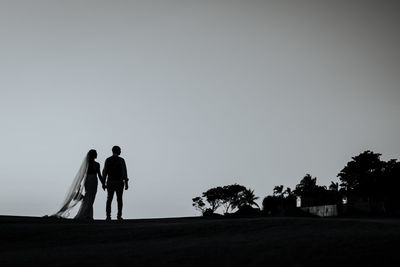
(100, 177)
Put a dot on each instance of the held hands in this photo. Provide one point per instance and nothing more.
(103, 185)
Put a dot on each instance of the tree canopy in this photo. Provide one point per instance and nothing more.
(229, 197)
(363, 174)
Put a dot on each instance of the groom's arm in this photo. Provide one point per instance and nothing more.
(105, 173)
(100, 176)
(103, 184)
(125, 174)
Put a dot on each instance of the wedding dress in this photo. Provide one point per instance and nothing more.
(75, 192)
(86, 210)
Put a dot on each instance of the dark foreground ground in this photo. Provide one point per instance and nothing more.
(200, 242)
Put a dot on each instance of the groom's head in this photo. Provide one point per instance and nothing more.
(116, 150)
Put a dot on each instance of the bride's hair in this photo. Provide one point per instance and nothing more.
(92, 155)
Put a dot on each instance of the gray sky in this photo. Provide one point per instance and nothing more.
(197, 93)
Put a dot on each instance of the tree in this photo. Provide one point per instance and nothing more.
(288, 192)
(247, 198)
(281, 202)
(270, 205)
(278, 190)
(312, 194)
(390, 185)
(306, 186)
(334, 186)
(214, 197)
(231, 196)
(361, 175)
(199, 204)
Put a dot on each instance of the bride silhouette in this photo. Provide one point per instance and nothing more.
(87, 175)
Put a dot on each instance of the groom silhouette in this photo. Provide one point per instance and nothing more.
(115, 178)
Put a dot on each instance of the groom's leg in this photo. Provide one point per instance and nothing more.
(119, 191)
(110, 195)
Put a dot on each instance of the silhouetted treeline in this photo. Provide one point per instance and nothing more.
(233, 197)
(283, 201)
(367, 185)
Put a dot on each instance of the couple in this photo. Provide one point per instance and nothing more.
(114, 178)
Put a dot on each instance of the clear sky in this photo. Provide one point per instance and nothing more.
(197, 94)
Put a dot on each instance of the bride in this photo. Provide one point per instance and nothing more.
(87, 175)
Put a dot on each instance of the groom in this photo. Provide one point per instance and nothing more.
(115, 178)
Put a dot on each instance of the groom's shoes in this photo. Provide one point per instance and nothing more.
(119, 218)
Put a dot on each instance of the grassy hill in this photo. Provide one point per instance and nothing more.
(199, 242)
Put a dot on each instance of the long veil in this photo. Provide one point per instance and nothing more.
(74, 194)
